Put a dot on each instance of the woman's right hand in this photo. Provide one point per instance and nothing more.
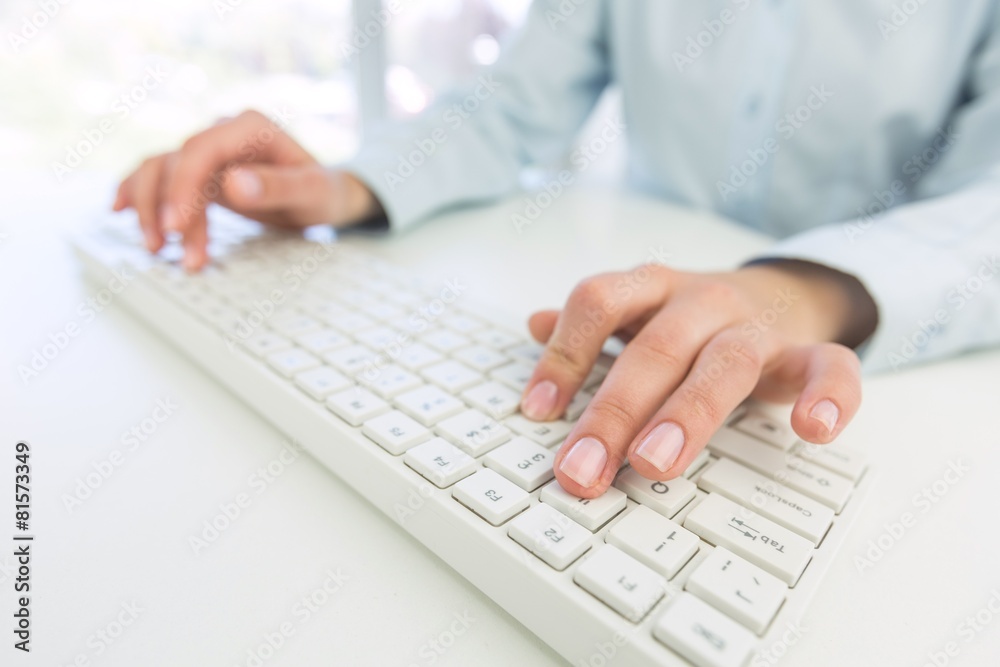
(247, 164)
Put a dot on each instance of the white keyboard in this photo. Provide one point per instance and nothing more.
(410, 395)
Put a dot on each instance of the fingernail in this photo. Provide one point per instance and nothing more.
(585, 462)
(540, 400)
(168, 216)
(248, 183)
(661, 446)
(826, 413)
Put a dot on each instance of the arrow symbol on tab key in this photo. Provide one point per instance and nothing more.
(742, 524)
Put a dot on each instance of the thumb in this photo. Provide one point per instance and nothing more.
(302, 192)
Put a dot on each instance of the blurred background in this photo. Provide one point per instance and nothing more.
(96, 85)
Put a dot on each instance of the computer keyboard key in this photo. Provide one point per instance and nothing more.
(767, 429)
(702, 634)
(351, 322)
(591, 513)
(352, 359)
(356, 405)
(526, 463)
(440, 462)
(452, 376)
(532, 352)
(491, 496)
(550, 535)
(787, 507)
(293, 325)
(321, 382)
(793, 471)
(463, 324)
(546, 434)
(493, 398)
(395, 432)
(480, 358)
(698, 463)
(473, 432)
(515, 375)
(667, 498)
(415, 356)
(445, 340)
(428, 404)
(263, 343)
(721, 522)
(322, 341)
(576, 407)
(379, 337)
(654, 540)
(840, 459)
(621, 582)
(739, 588)
(291, 361)
(390, 380)
(498, 339)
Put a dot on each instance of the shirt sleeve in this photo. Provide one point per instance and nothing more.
(472, 145)
(930, 265)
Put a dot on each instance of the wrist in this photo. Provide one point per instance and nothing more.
(351, 201)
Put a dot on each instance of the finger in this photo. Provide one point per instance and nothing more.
(542, 324)
(191, 186)
(195, 244)
(827, 378)
(302, 194)
(594, 311)
(145, 187)
(122, 200)
(649, 369)
(726, 371)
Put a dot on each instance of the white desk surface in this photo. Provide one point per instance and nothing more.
(128, 543)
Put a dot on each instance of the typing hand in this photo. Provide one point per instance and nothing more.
(247, 164)
(697, 345)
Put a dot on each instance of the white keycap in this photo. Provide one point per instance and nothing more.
(428, 404)
(529, 351)
(293, 325)
(415, 356)
(444, 340)
(440, 462)
(739, 588)
(621, 582)
(389, 380)
(526, 463)
(515, 375)
(496, 338)
(381, 310)
(451, 375)
(550, 535)
(463, 324)
(395, 432)
(544, 433)
(578, 405)
(493, 398)
(379, 337)
(595, 377)
(654, 540)
(356, 405)
(764, 543)
(698, 463)
(481, 358)
(767, 429)
(291, 361)
(351, 322)
(815, 481)
(263, 343)
(787, 507)
(842, 460)
(321, 382)
(591, 513)
(352, 359)
(323, 340)
(491, 496)
(702, 634)
(473, 432)
(667, 498)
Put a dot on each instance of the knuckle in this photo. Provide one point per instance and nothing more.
(252, 115)
(745, 357)
(590, 293)
(564, 357)
(717, 293)
(659, 349)
(701, 404)
(613, 414)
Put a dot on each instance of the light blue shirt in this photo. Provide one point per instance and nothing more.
(863, 133)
